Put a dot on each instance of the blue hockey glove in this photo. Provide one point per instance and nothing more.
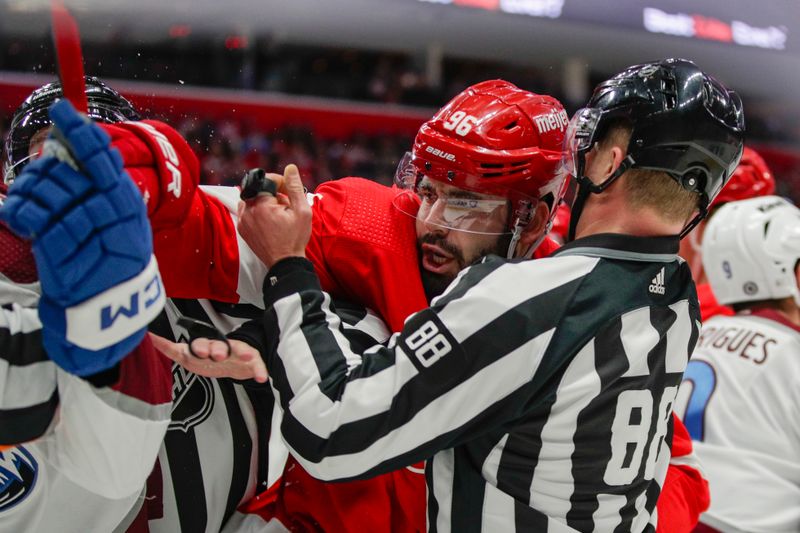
(92, 244)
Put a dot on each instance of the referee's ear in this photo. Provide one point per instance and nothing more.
(535, 228)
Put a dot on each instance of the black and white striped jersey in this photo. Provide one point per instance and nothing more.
(219, 450)
(541, 390)
(209, 463)
(86, 450)
(28, 391)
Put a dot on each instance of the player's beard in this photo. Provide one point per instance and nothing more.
(434, 284)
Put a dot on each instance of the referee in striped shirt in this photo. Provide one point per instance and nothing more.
(541, 392)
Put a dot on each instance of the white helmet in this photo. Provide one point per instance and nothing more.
(750, 249)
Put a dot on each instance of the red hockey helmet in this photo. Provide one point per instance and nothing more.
(494, 139)
(751, 178)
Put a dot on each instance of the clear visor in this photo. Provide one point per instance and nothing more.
(22, 152)
(437, 204)
(10, 172)
(405, 175)
(579, 138)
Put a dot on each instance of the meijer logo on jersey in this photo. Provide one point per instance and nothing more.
(657, 284)
(552, 121)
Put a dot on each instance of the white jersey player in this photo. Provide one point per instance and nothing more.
(84, 397)
(740, 397)
(87, 470)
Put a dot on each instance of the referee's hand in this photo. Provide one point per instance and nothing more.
(213, 359)
(277, 227)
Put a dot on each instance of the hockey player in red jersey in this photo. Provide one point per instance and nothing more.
(364, 247)
(366, 239)
(751, 179)
(441, 185)
(341, 241)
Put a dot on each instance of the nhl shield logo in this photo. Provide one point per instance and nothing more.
(18, 473)
(193, 399)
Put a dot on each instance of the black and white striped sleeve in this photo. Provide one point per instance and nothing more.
(28, 390)
(460, 368)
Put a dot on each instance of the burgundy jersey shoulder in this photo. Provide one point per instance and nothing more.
(16, 257)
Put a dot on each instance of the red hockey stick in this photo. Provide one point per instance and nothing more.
(67, 41)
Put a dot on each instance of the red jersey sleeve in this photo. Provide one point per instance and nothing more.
(194, 238)
(200, 258)
(364, 248)
(193, 234)
(709, 306)
(684, 495)
(146, 375)
(161, 164)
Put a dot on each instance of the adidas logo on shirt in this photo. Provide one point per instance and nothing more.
(657, 285)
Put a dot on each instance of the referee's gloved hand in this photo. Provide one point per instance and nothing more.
(92, 244)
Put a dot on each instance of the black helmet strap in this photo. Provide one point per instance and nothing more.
(587, 187)
(698, 217)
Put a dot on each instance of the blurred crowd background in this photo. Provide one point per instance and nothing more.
(235, 65)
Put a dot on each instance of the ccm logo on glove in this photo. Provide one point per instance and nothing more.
(118, 312)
